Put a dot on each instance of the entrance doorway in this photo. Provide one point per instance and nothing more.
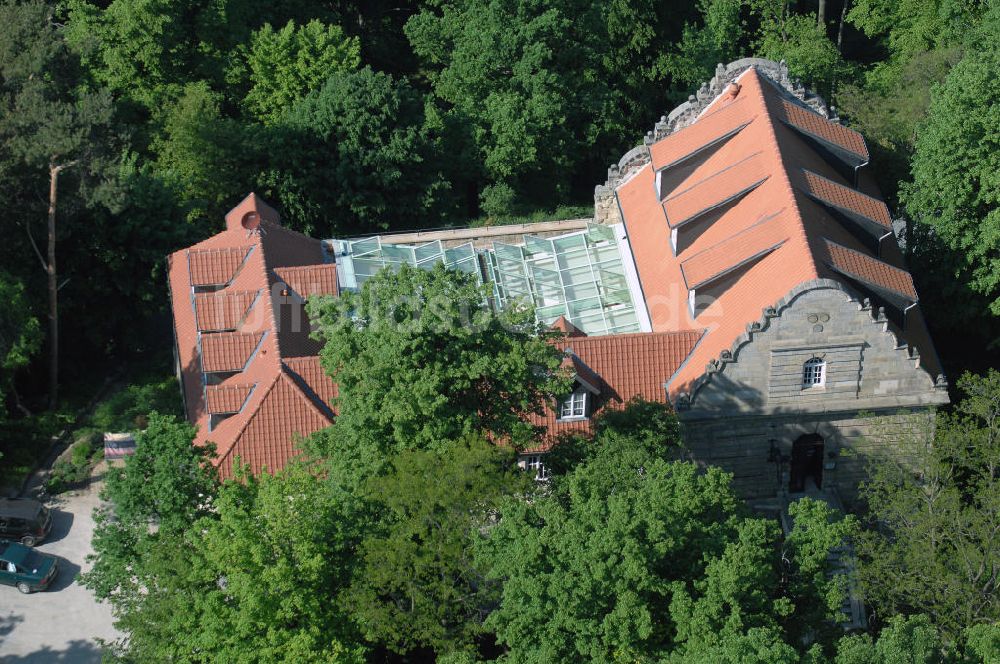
(806, 463)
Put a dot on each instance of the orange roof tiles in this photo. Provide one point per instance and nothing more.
(870, 270)
(215, 267)
(770, 149)
(237, 329)
(317, 382)
(224, 399)
(756, 241)
(310, 280)
(815, 125)
(228, 351)
(840, 196)
(567, 328)
(712, 128)
(625, 366)
(715, 189)
(272, 431)
(222, 311)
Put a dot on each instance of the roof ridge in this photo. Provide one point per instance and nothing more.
(782, 177)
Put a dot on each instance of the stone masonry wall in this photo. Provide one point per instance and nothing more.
(754, 393)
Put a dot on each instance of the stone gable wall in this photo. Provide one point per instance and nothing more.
(754, 393)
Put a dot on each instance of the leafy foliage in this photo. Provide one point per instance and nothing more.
(19, 334)
(937, 508)
(418, 584)
(285, 65)
(955, 167)
(636, 557)
(421, 361)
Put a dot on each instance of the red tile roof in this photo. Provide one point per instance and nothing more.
(272, 431)
(840, 196)
(224, 399)
(815, 125)
(216, 267)
(712, 128)
(567, 328)
(310, 280)
(713, 190)
(228, 351)
(767, 141)
(268, 402)
(626, 366)
(754, 242)
(314, 378)
(222, 311)
(870, 270)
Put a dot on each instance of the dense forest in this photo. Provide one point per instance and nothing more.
(129, 127)
(141, 122)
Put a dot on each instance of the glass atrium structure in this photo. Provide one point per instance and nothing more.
(579, 275)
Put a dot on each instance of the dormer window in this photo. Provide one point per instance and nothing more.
(574, 407)
(813, 373)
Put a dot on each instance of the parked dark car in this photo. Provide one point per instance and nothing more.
(24, 521)
(26, 568)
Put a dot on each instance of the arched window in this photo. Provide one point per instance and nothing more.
(814, 372)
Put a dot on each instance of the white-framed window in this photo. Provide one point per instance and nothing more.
(814, 373)
(574, 406)
(533, 464)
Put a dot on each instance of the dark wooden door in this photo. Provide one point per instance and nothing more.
(806, 462)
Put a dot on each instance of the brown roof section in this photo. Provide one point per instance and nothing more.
(216, 267)
(228, 351)
(847, 198)
(309, 280)
(870, 271)
(238, 329)
(314, 379)
(272, 431)
(816, 126)
(567, 328)
(712, 128)
(715, 189)
(225, 399)
(222, 311)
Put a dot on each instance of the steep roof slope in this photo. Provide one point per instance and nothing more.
(751, 199)
(238, 299)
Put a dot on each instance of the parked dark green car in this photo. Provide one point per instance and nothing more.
(26, 568)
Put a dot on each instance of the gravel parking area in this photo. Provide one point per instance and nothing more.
(60, 625)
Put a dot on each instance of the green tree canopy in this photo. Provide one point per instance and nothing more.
(357, 154)
(285, 65)
(955, 172)
(937, 503)
(636, 557)
(20, 335)
(422, 361)
(525, 78)
(418, 584)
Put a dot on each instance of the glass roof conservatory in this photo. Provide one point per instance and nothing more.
(586, 276)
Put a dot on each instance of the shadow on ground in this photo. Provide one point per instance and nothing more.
(62, 522)
(78, 652)
(68, 571)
